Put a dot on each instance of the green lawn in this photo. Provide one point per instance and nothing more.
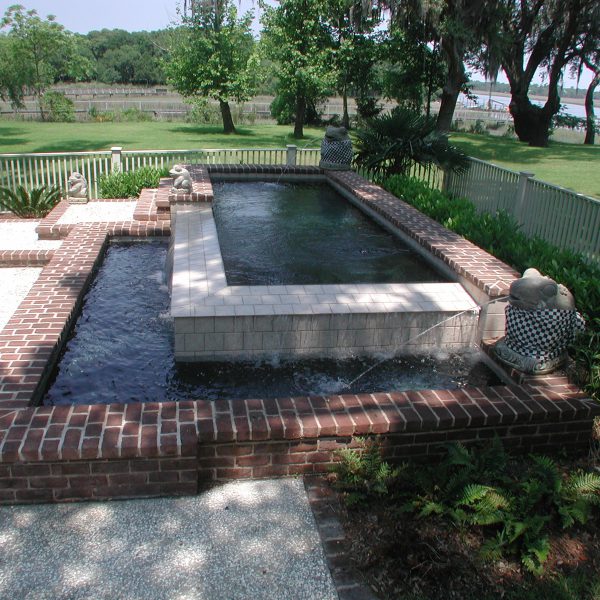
(31, 136)
(570, 165)
(573, 166)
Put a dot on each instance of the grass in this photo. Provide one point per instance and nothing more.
(569, 165)
(32, 136)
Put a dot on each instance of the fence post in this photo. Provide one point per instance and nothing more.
(524, 177)
(291, 154)
(116, 158)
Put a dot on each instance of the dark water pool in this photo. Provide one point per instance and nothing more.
(294, 233)
(121, 351)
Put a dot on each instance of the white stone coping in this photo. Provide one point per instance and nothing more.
(199, 284)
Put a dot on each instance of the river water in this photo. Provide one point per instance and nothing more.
(502, 102)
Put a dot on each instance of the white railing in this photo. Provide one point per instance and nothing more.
(560, 216)
(35, 170)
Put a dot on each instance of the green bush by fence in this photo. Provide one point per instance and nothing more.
(499, 234)
(129, 184)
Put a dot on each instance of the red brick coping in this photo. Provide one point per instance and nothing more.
(115, 451)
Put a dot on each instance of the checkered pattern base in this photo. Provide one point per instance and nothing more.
(336, 154)
(541, 334)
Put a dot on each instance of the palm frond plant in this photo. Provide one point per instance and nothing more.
(390, 143)
(35, 203)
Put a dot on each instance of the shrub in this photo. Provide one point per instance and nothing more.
(362, 473)
(499, 234)
(512, 501)
(478, 127)
(58, 108)
(36, 203)
(129, 184)
(391, 143)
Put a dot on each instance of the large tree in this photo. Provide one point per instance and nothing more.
(539, 34)
(460, 27)
(354, 55)
(298, 40)
(587, 54)
(33, 51)
(212, 56)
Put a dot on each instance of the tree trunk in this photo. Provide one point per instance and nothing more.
(532, 123)
(447, 106)
(590, 119)
(228, 126)
(455, 79)
(300, 115)
(345, 116)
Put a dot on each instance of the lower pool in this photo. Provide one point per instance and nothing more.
(121, 350)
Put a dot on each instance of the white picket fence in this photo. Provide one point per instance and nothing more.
(560, 216)
(35, 170)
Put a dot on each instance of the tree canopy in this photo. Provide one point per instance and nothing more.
(212, 55)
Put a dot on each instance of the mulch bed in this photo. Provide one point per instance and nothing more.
(406, 558)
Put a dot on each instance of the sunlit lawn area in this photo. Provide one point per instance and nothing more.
(25, 136)
(571, 165)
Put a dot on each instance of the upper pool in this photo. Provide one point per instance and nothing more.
(297, 233)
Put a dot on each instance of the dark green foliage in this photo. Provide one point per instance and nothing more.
(35, 203)
(362, 472)
(391, 143)
(513, 501)
(367, 107)
(129, 184)
(283, 109)
(58, 108)
(499, 234)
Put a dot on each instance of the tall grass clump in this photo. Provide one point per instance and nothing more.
(129, 184)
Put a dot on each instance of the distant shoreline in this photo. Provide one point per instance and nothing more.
(563, 99)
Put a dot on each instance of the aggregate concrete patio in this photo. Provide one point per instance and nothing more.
(242, 540)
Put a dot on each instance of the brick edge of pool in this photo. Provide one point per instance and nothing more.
(118, 451)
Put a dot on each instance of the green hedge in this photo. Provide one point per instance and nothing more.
(129, 184)
(499, 234)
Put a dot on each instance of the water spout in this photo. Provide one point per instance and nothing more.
(348, 385)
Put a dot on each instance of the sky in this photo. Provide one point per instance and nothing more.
(81, 16)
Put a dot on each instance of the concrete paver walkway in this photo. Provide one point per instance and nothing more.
(245, 540)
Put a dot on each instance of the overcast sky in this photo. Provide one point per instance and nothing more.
(82, 16)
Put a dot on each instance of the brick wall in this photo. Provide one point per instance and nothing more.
(83, 452)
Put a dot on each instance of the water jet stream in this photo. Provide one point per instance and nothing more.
(412, 339)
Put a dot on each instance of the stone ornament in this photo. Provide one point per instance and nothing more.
(541, 322)
(182, 180)
(77, 191)
(336, 149)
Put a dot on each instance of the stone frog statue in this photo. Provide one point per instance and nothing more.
(336, 149)
(541, 322)
(182, 180)
(78, 186)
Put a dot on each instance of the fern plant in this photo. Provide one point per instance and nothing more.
(26, 204)
(362, 472)
(513, 502)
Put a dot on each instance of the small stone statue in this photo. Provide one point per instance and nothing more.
(541, 321)
(182, 180)
(336, 149)
(77, 192)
